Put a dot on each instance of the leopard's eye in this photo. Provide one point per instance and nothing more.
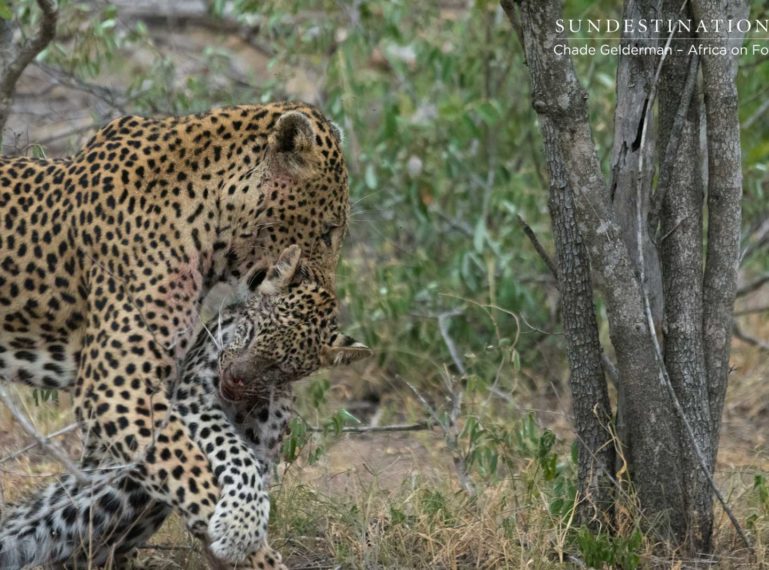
(327, 237)
(328, 234)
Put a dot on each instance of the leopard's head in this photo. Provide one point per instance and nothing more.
(297, 194)
(286, 330)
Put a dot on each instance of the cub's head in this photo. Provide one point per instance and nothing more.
(297, 193)
(285, 331)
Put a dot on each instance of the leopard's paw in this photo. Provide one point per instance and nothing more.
(238, 527)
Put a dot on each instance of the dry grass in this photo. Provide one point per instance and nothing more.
(393, 500)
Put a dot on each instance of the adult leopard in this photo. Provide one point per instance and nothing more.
(249, 355)
(107, 255)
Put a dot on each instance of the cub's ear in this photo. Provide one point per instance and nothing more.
(282, 272)
(343, 350)
(338, 133)
(293, 132)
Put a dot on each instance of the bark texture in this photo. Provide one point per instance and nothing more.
(635, 76)
(652, 446)
(681, 256)
(724, 167)
(590, 397)
(14, 58)
(670, 405)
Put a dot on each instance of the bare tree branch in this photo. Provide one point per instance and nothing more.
(17, 58)
(750, 339)
(751, 311)
(590, 400)
(704, 462)
(443, 327)
(450, 430)
(538, 246)
(50, 436)
(416, 426)
(636, 79)
(754, 285)
(758, 239)
(50, 446)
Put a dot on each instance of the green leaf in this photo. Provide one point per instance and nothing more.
(6, 13)
(516, 360)
(479, 235)
(489, 112)
(370, 177)
(347, 417)
(546, 443)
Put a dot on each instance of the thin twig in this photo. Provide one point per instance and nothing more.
(754, 285)
(751, 311)
(52, 447)
(443, 327)
(538, 246)
(416, 426)
(71, 81)
(758, 239)
(458, 225)
(450, 433)
(456, 394)
(509, 9)
(62, 431)
(610, 369)
(169, 547)
(750, 339)
(750, 121)
(422, 400)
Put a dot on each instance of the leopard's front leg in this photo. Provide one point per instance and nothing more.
(123, 406)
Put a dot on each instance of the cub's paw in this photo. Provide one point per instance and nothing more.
(238, 527)
(264, 559)
(267, 558)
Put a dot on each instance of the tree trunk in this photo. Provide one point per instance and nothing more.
(635, 76)
(652, 446)
(670, 405)
(680, 246)
(724, 167)
(590, 397)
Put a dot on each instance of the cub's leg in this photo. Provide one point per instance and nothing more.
(79, 523)
(125, 412)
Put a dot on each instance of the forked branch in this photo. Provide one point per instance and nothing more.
(16, 58)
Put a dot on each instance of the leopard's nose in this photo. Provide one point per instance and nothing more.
(238, 373)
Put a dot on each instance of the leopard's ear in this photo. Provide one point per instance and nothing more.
(293, 133)
(342, 350)
(281, 273)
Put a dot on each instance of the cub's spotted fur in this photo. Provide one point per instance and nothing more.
(283, 332)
